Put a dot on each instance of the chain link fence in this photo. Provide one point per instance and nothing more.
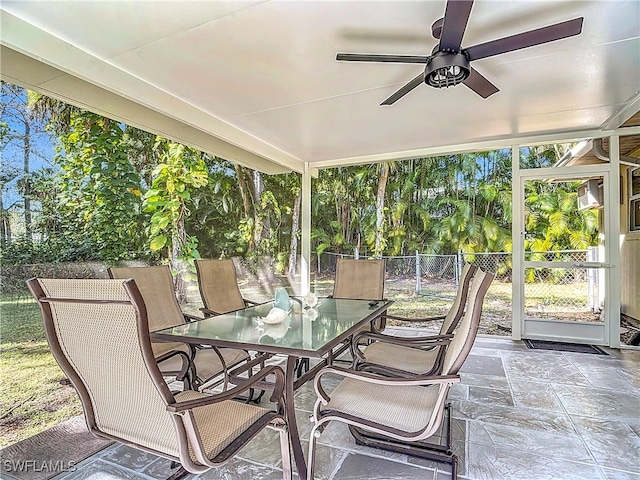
(425, 284)
(421, 285)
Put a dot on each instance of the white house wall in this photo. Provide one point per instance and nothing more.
(630, 256)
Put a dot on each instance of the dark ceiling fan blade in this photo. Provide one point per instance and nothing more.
(526, 39)
(365, 57)
(404, 90)
(456, 16)
(480, 84)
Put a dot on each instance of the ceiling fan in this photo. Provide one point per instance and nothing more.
(449, 64)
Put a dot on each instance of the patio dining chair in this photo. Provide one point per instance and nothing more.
(360, 280)
(97, 327)
(381, 348)
(220, 293)
(204, 363)
(357, 280)
(395, 412)
(453, 316)
(218, 285)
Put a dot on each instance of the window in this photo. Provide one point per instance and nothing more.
(634, 200)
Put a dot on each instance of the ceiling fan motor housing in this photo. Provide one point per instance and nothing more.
(446, 69)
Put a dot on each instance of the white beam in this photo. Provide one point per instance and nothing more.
(517, 246)
(305, 270)
(487, 145)
(483, 146)
(612, 244)
(131, 103)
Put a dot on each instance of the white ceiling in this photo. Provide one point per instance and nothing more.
(258, 83)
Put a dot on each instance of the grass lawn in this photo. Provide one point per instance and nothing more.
(32, 398)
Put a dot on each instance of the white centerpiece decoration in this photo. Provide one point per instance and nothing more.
(276, 315)
(310, 314)
(311, 300)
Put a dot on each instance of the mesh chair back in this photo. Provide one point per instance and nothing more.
(465, 335)
(96, 331)
(156, 286)
(359, 279)
(457, 309)
(218, 283)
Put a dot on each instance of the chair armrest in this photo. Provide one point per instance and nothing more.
(427, 341)
(419, 380)
(278, 391)
(212, 313)
(191, 318)
(413, 319)
(173, 353)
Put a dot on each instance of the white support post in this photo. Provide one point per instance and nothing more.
(305, 262)
(612, 244)
(517, 241)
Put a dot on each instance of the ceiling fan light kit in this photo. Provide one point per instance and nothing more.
(446, 70)
(449, 64)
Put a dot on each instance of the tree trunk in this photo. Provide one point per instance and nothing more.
(5, 229)
(251, 191)
(244, 190)
(382, 186)
(345, 220)
(27, 182)
(295, 221)
(178, 240)
(260, 223)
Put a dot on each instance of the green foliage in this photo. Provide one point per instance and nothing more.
(124, 193)
(436, 204)
(181, 170)
(552, 221)
(4, 131)
(217, 212)
(99, 190)
(343, 205)
(56, 249)
(443, 205)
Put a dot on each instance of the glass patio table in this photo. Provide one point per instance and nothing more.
(320, 332)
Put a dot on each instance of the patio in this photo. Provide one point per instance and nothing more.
(518, 414)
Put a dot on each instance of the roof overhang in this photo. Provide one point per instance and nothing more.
(257, 82)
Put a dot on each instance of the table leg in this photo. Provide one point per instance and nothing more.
(294, 435)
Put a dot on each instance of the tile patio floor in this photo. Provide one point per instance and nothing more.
(519, 414)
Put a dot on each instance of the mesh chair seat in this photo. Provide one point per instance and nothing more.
(222, 423)
(381, 404)
(209, 365)
(207, 361)
(359, 279)
(160, 348)
(408, 359)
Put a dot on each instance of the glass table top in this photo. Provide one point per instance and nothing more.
(310, 331)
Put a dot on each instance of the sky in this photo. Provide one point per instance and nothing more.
(12, 153)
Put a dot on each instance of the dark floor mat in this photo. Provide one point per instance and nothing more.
(564, 347)
(51, 452)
